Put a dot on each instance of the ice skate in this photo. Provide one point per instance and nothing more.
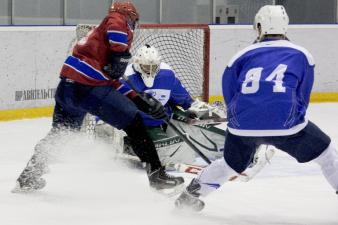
(24, 185)
(188, 200)
(30, 178)
(163, 182)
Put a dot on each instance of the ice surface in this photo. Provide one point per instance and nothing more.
(88, 186)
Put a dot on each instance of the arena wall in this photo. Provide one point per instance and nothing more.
(32, 56)
(320, 40)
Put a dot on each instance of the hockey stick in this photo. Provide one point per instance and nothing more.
(186, 168)
(184, 136)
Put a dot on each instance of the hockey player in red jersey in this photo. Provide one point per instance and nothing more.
(98, 57)
(89, 84)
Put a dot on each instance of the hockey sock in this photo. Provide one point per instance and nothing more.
(142, 144)
(328, 162)
(213, 176)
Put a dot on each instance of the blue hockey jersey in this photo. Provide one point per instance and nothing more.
(167, 89)
(267, 87)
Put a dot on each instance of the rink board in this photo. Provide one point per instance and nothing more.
(34, 56)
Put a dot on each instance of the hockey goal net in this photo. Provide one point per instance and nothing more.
(184, 47)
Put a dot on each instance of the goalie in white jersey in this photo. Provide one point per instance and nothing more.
(266, 88)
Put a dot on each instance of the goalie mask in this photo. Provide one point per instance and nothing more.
(127, 9)
(271, 19)
(147, 63)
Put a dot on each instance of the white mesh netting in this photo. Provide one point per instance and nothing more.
(182, 48)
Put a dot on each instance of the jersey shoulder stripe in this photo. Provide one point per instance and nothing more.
(118, 37)
(273, 44)
(84, 68)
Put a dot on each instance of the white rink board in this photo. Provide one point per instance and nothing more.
(31, 58)
(320, 40)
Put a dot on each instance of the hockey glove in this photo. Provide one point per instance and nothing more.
(198, 109)
(151, 106)
(117, 65)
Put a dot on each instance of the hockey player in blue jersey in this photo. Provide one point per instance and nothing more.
(266, 88)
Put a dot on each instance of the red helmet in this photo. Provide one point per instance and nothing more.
(126, 8)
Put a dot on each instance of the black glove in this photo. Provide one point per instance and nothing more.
(117, 65)
(146, 103)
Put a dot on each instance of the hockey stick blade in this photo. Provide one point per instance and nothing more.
(185, 168)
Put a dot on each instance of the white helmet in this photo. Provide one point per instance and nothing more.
(272, 19)
(147, 63)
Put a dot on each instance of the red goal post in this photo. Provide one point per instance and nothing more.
(185, 47)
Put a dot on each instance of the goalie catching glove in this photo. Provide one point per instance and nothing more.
(146, 103)
(198, 109)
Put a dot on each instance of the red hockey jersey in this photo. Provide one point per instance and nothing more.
(90, 54)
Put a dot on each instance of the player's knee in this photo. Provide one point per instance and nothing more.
(240, 159)
(136, 127)
(237, 165)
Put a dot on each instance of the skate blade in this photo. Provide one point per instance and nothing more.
(171, 192)
(188, 209)
(24, 190)
(17, 189)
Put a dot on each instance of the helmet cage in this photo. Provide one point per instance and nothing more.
(148, 73)
(147, 63)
